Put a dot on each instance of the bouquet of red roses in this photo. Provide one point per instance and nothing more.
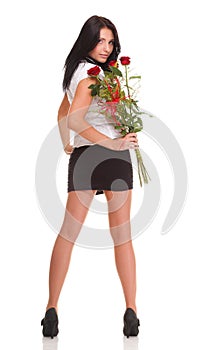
(117, 100)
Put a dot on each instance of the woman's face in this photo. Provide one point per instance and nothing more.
(105, 46)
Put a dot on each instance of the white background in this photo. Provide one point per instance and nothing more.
(177, 46)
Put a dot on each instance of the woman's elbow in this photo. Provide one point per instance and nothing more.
(64, 108)
(72, 123)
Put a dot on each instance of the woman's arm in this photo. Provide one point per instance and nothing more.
(77, 122)
(62, 123)
(78, 110)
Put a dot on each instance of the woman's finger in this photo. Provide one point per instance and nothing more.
(130, 137)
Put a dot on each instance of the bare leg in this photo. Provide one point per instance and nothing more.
(119, 204)
(126, 267)
(78, 203)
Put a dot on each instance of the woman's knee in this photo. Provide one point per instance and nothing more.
(119, 204)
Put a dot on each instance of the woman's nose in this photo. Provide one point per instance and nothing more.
(106, 47)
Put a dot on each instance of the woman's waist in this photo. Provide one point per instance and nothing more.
(106, 129)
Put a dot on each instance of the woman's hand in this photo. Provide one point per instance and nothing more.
(129, 141)
(68, 149)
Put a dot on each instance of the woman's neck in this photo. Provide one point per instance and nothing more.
(91, 60)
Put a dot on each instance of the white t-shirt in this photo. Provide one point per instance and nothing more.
(98, 120)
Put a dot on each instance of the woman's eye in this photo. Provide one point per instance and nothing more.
(101, 41)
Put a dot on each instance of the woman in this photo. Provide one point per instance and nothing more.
(99, 163)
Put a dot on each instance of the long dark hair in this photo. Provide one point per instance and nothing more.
(86, 41)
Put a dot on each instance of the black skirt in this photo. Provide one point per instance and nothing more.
(99, 168)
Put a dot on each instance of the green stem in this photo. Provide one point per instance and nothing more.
(141, 168)
(128, 90)
(126, 80)
(139, 171)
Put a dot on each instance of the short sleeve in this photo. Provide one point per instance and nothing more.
(79, 74)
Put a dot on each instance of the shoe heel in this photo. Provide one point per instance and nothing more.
(54, 331)
(50, 329)
(131, 323)
(131, 329)
(50, 324)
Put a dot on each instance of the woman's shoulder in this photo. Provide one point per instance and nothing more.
(80, 74)
(83, 67)
(82, 71)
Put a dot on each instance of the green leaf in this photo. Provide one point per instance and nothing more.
(94, 89)
(137, 129)
(107, 73)
(91, 86)
(123, 132)
(93, 93)
(135, 77)
(116, 71)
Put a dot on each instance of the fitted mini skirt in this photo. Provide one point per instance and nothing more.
(98, 168)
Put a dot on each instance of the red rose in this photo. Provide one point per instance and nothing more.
(94, 71)
(113, 63)
(125, 60)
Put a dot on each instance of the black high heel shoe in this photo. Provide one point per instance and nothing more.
(131, 323)
(50, 323)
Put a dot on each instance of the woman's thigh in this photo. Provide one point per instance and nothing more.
(78, 203)
(119, 207)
